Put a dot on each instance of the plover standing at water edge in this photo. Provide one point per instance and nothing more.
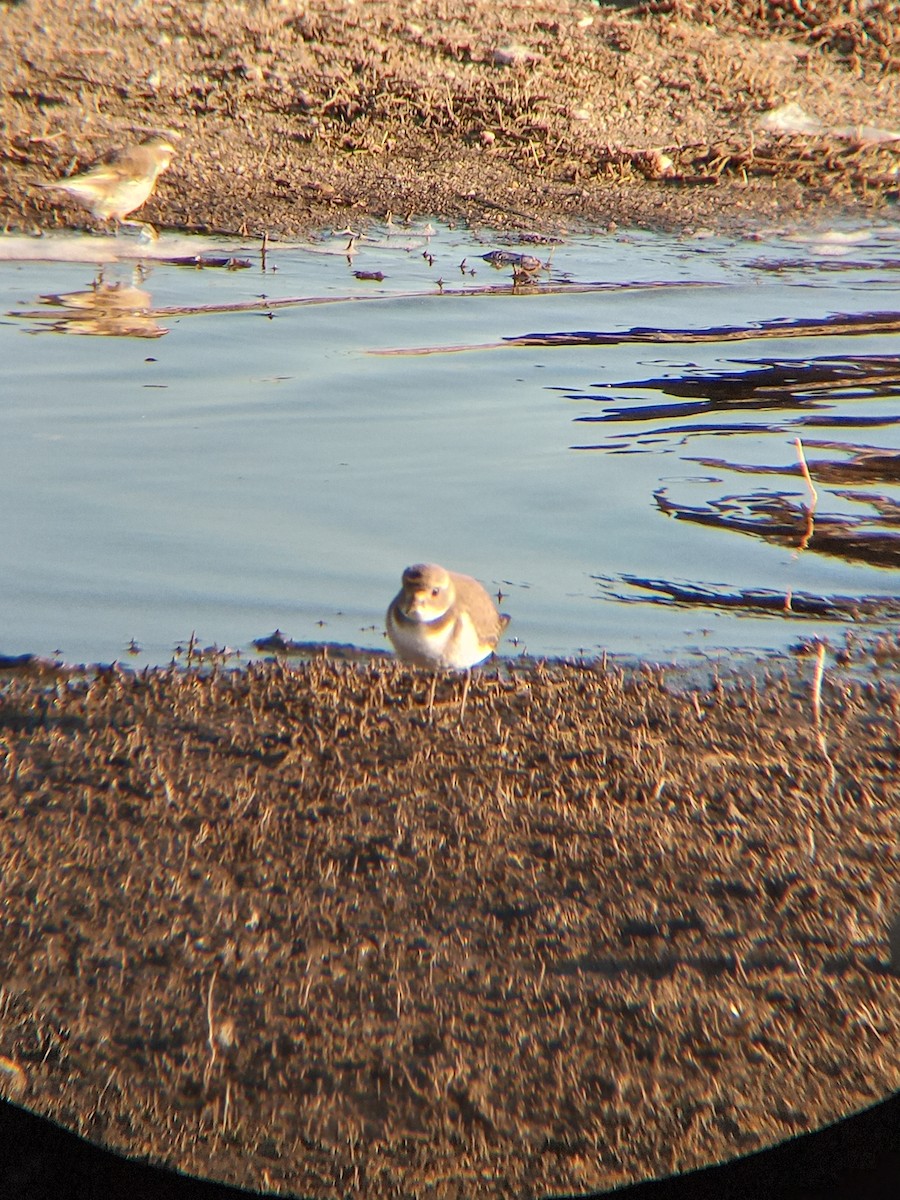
(442, 620)
(122, 183)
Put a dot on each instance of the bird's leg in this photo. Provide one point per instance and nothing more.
(431, 698)
(462, 706)
(145, 227)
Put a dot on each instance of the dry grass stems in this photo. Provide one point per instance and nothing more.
(580, 940)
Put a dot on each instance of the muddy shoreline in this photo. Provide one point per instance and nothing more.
(271, 927)
(526, 118)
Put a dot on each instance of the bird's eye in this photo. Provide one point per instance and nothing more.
(435, 591)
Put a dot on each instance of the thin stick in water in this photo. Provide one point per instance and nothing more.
(813, 496)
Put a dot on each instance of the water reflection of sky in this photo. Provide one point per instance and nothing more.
(256, 467)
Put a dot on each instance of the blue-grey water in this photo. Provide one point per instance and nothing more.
(257, 468)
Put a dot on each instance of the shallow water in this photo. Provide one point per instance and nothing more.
(278, 467)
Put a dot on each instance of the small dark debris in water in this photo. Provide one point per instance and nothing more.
(35, 665)
(276, 642)
(508, 258)
(279, 643)
(194, 653)
(538, 239)
(375, 276)
(15, 662)
(807, 647)
(202, 261)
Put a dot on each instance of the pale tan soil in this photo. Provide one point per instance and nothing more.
(294, 115)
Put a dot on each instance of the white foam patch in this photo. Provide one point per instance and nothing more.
(90, 248)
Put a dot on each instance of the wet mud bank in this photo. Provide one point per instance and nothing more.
(529, 118)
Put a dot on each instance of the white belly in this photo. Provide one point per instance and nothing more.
(456, 646)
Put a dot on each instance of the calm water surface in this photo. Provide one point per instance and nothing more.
(636, 488)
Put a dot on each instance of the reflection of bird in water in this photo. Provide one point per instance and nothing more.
(104, 310)
(121, 183)
(442, 620)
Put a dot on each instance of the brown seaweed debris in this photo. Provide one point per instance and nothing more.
(264, 925)
(866, 464)
(764, 600)
(777, 518)
(837, 324)
(821, 390)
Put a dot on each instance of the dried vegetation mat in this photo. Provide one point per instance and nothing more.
(272, 927)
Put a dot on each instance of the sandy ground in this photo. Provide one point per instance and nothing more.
(271, 927)
(526, 116)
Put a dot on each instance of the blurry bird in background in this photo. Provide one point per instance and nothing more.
(122, 182)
